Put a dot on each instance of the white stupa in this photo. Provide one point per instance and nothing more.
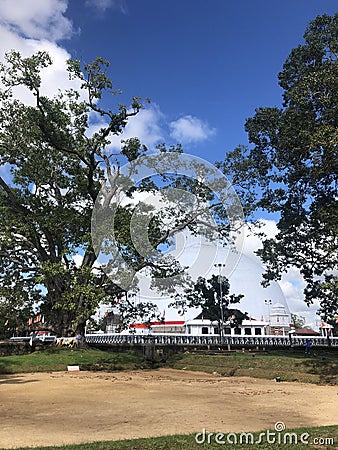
(279, 317)
(205, 258)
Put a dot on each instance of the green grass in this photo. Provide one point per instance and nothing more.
(187, 442)
(322, 368)
(56, 359)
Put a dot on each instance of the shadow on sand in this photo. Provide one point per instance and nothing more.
(14, 379)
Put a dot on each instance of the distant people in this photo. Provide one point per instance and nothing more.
(78, 339)
(33, 335)
(307, 347)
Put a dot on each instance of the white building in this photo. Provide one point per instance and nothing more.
(279, 317)
(280, 322)
(250, 327)
(244, 272)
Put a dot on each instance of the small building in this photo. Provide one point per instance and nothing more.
(197, 327)
(248, 327)
(160, 327)
(326, 330)
(279, 320)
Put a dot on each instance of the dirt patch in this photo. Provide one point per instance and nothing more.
(62, 408)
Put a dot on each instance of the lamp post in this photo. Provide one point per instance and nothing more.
(220, 266)
(268, 303)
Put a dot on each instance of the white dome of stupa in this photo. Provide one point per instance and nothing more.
(203, 258)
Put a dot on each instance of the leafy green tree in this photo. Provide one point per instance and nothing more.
(55, 169)
(298, 321)
(213, 296)
(13, 321)
(292, 168)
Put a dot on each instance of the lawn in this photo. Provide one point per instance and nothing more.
(322, 368)
(327, 437)
(57, 359)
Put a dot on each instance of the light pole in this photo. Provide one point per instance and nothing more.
(220, 266)
(268, 303)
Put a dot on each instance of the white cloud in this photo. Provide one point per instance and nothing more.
(77, 259)
(190, 129)
(102, 5)
(37, 19)
(146, 125)
(53, 77)
(293, 284)
(32, 26)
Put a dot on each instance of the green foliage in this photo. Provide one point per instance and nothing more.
(46, 201)
(57, 171)
(12, 318)
(293, 165)
(213, 296)
(298, 321)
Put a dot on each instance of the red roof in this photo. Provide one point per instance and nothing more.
(306, 332)
(170, 322)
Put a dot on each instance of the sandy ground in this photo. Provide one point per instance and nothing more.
(58, 408)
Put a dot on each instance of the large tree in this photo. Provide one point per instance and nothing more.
(214, 298)
(292, 168)
(57, 168)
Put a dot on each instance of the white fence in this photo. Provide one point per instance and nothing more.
(166, 339)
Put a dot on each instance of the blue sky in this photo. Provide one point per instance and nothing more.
(205, 65)
(212, 61)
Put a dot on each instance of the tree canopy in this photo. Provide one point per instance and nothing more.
(60, 176)
(214, 298)
(292, 167)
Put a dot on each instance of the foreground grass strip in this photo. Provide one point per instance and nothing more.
(54, 359)
(320, 368)
(317, 437)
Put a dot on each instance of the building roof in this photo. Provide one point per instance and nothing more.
(306, 332)
(254, 323)
(200, 322)
(278, 305)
